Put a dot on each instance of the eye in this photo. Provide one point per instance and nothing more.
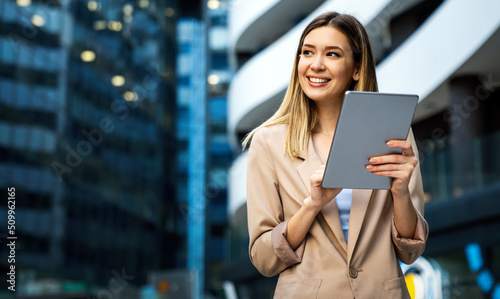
(306, 52)
(333, 54)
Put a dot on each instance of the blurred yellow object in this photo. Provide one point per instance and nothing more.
(100, 25)
(92, 5)
(128, 9)
(410, 284)
(118, 80)
(213, 4)
(37, 20)
(143, 3)
(23, 3)
(213, 79)
(163, 286)
(130, 96)
(114, 25)
(87, 56)
(415, 285)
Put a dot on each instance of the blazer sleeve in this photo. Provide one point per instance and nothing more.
(269, 250)
(409, 249)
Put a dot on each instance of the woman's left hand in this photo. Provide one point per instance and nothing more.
(398, 166)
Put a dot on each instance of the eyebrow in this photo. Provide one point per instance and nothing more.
(327, 48)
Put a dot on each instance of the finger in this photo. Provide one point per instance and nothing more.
(399, 175)
(317, 177)
(391, 167)
(316, 180)
(402, 144)
(393, 159)
(321, 169)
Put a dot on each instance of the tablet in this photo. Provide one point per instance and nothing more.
(367, 120)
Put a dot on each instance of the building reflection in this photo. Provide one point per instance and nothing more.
(87, 123)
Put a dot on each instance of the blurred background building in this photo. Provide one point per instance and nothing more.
(88, 140)
(444, 51)
(87, 123)
(113, 133)
(220, 154)
(204, 154)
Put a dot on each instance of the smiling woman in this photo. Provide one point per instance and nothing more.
(326, 66)
(354, 237)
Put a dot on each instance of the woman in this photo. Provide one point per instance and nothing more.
(329, 243)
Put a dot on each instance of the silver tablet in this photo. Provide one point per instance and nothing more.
(367, 120)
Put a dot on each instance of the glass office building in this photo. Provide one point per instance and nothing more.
(191, 107)
(87, 130)
(203, 148)
(219, 152)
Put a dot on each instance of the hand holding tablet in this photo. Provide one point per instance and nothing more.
(367, 121)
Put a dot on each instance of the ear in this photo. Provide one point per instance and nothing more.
(356, 74)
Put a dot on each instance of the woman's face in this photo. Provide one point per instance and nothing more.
(326, 66)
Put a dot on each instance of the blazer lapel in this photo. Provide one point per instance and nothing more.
(360, 200)
(309, 165)
(330, 213)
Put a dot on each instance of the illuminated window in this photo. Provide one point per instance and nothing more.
(87, 56)
(213, 4)
(23, 3)
(118, 80)
(37, 20)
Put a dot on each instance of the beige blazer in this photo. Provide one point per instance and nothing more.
(325, 265)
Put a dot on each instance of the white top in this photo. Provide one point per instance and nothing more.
(344, 200)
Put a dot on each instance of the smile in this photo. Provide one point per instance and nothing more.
(318, 80)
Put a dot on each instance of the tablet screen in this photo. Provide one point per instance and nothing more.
(367, 120)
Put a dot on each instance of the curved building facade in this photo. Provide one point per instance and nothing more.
(444, 51)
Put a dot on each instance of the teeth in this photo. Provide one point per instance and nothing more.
(317, 80)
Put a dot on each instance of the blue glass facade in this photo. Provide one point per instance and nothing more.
(191, 104)
(87, 119)
(220, 153)
(204, 154)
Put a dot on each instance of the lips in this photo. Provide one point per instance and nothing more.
(318, 80)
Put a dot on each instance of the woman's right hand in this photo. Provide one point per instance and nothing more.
(320, 196)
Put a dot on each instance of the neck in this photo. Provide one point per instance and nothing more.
(328, 115)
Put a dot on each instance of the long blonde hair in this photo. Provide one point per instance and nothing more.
(296, 109)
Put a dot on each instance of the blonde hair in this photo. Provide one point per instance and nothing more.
(296, 109)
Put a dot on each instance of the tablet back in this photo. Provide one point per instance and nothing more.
(366, 122)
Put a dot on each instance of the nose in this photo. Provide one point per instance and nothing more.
(317, 64)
